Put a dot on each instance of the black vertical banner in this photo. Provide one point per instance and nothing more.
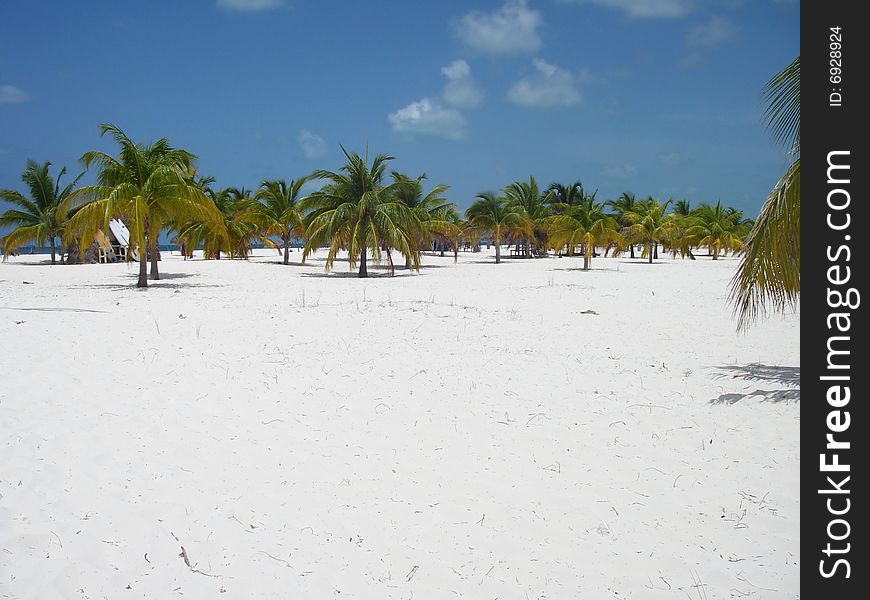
(834, 432)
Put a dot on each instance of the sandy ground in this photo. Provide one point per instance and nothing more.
(514, 431)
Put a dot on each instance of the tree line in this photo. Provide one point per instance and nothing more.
(361, 208)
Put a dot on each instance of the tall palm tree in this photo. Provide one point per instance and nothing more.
(490, 213)
(769, 272)
(716, 228)
(626, 203)
(355, 210)
(525, 198)
(278, 210)
(146, 185)
(648, 225)
(586, 225)
(41, 217)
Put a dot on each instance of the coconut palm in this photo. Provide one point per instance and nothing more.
(148, 186)
(586, 225)
(490, 213)
(677, 239)
(239, 226)
(525, 198)
(436, 214)
(682, 208)
(648, 225)
(562, 198)
(717, 228)
(626, 203)
(769, 272)
(41, 217)
(278, 212)
(356, 211)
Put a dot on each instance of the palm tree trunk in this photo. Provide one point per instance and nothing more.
(656, 250)
(52, 250)
(363, 269)
(155, 272)
(497, 246)
(587, 256)
(650, 251)
(143, 268)
(286, 250)
(631, 248)
(390, 261)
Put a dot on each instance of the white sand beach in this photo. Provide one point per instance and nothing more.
(515, 431)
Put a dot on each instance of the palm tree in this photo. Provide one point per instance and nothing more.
(648, 225)
(239, 226)
(626, 203)
(586, 225)
(148, 186)
(490, 213)
(41, 217)
(716, 228)
(436, 214)
(525, 198)
(356, 211)
(682, 208)
(278, 210)
(562, 198)
(769, 272)
(677, 238)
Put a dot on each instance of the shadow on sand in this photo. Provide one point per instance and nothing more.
(777, 376)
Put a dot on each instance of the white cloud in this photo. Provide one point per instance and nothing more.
(312, 144)
(712, 33)
(428, 117)
(548, 87)
(510, 29)
(672, 159)
(645, 9)
(249, 5)
(9, 94)
(620, 171)
(460, 90)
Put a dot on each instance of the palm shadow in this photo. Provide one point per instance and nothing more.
(771, 374)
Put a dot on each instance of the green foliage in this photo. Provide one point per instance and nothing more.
(147, 186)
(356, 211)
(41, 217)
(584, 224)
(769, 273)
(489, 213)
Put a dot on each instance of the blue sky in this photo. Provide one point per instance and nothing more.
(657, 97)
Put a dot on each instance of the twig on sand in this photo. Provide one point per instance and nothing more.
(740, 577)
(248, 528)
(186, 558)
(411, 574)
(58, 538)
(271, 421)
(193, 569)
(276, 558)
(480, 522)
